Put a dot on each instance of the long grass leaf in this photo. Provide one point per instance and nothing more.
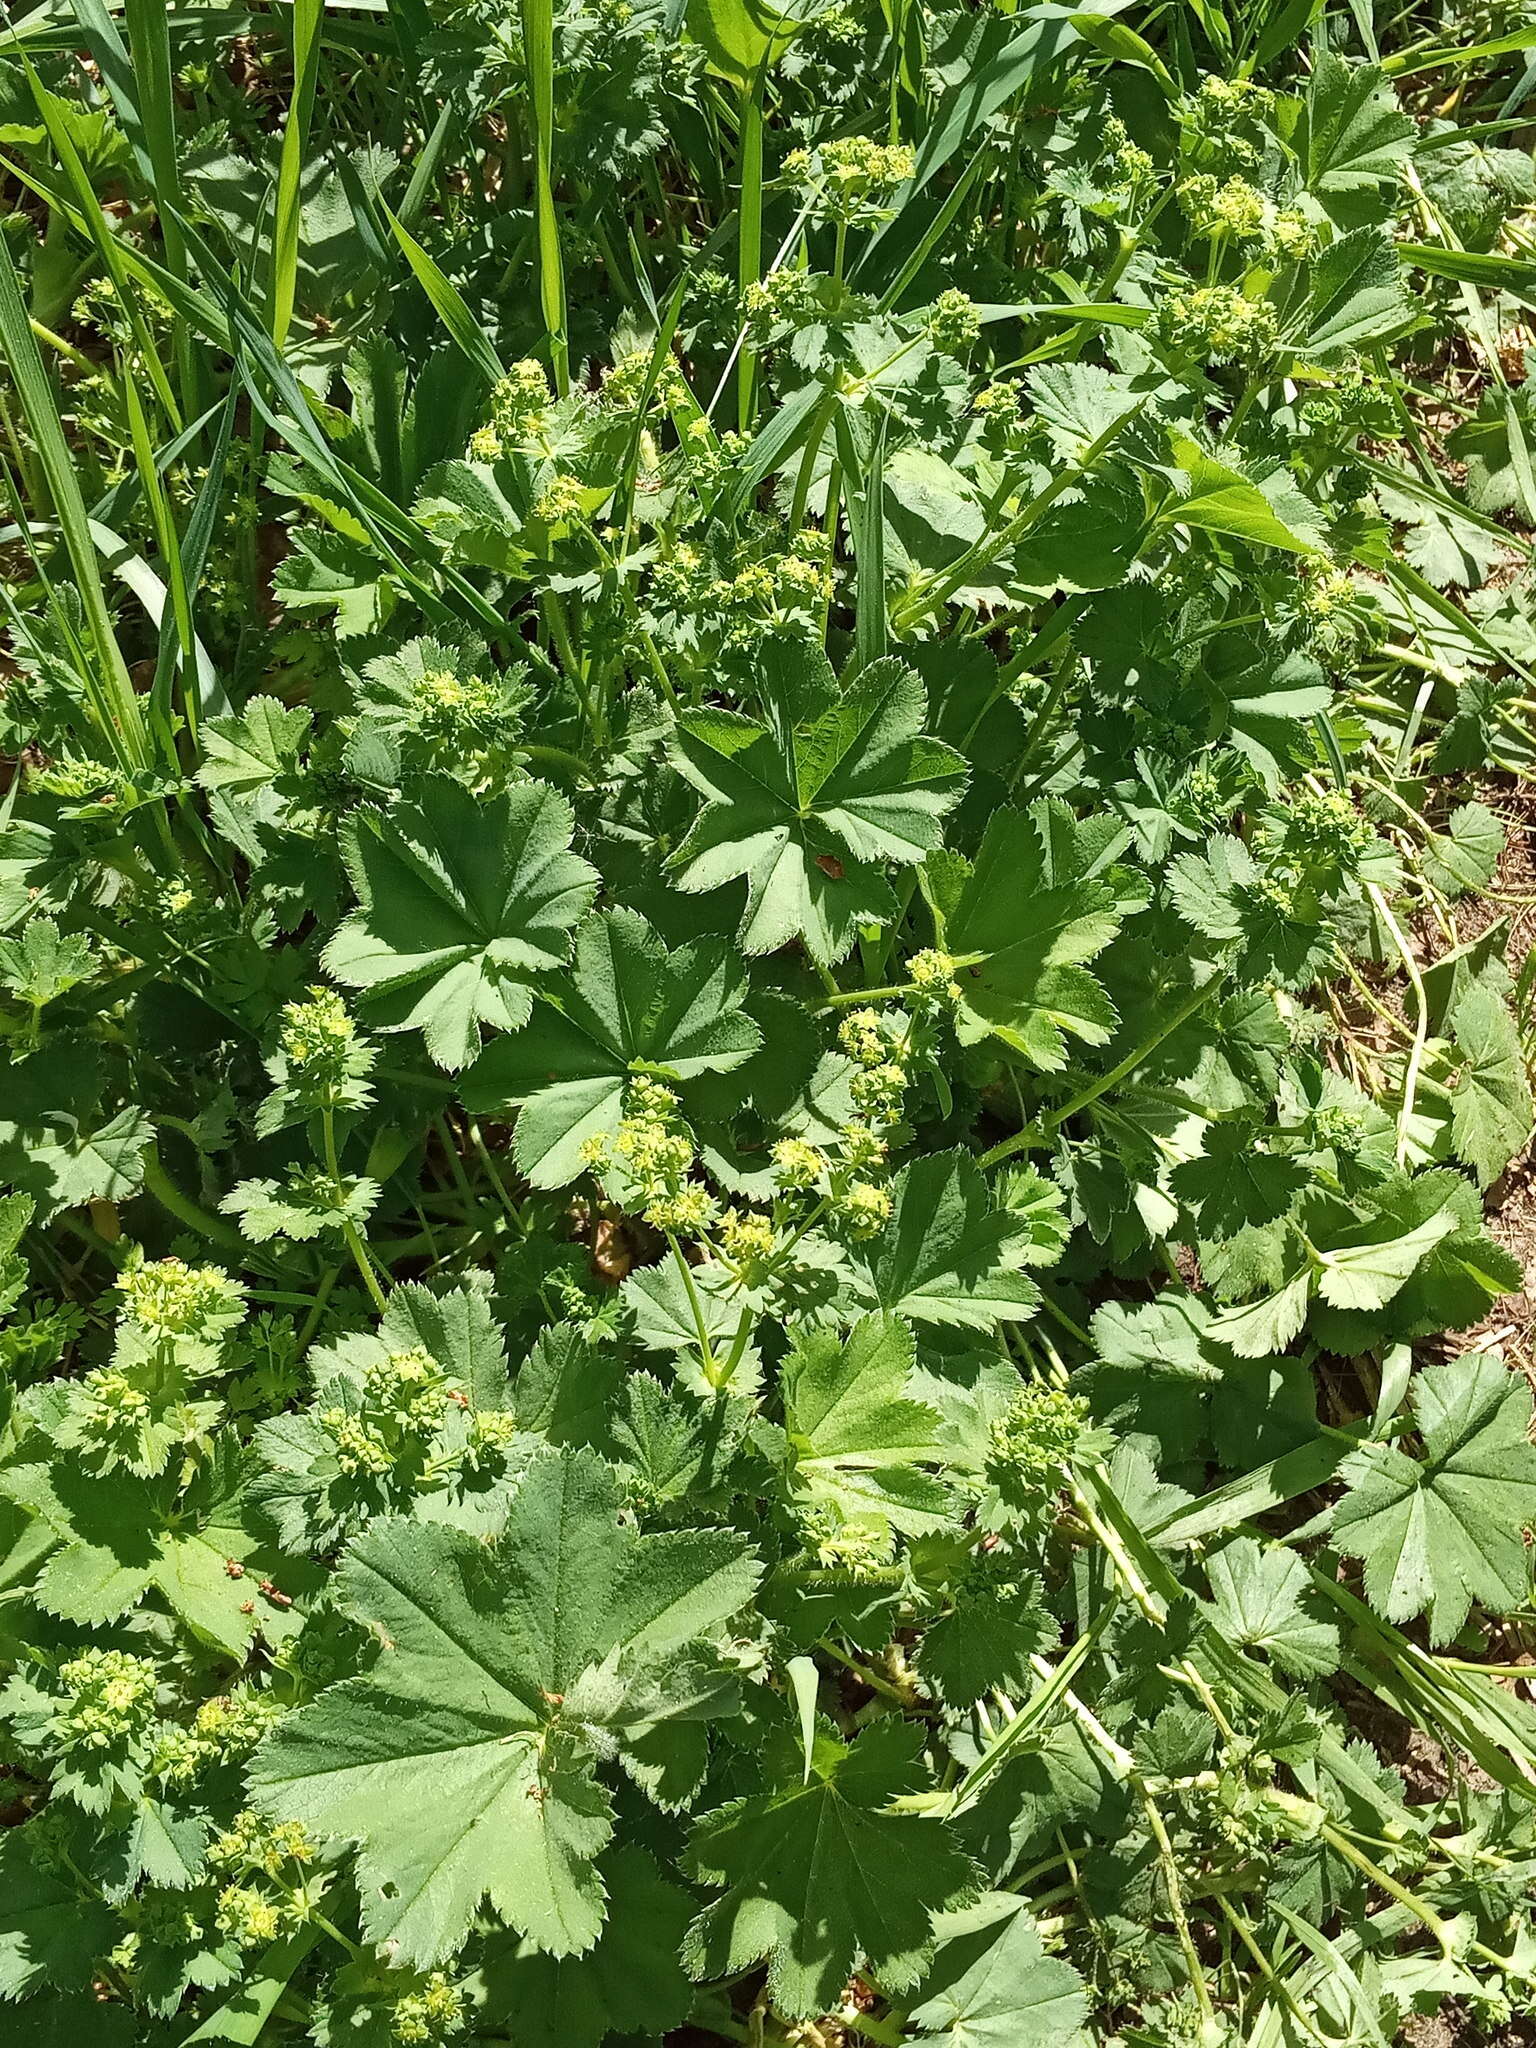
(289, 211)
(123, 714)
(539, 53)
(108, 242)
(149, 39)
(447, 302)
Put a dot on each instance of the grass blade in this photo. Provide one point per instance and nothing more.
(448, 302)
(539, 52)
(121, 713)
(289, 214)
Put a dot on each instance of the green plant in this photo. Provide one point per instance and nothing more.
(755, 955)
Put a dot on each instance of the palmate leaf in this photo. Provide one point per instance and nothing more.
(1466, 854)
(1215, 496)
(985, 1644)
(58, 1144)
(1233, 1185)
(1367, 1276)
(1355, 137)
(627, 1007)
(992, 1985)
(1453, 1283)
(812, 801)
(41, 963)
(117, 1540)
(461, 900)
(1265, 704)
(1491, 1099)
(1439, 1532)
(464, 1763)
(1023, 917)
(246, 755)
(1258, 1601)
(48, 1933)
(1356, 296)
(946, 1255)
(1219, 893)
(857, 1441)
(630, 1982)
(820, 1876)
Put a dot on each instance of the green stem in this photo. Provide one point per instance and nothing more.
(865, 1676)
(696, 1308)
(1421, 1029)
(349, 1229)
(749, 232)
(1036, 1135)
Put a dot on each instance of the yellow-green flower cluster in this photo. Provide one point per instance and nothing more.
(170, 1298)
(863, 1208)
(877, 1084)
(686, 1213)
(361, 1448)
(1216, 117)
(847, 174)
(317, 1040)
(1234, 210)
(1290, 235)
(862, 1036)
(165, 1919)
(517, 413)
(224, 1730)
(1037, 1436)
(559, 502)
(74, 779)
(654, 1150)
(407, 1385)
(235, 1722)
(444, 704)
(862, 1147)
(1230, 98)
(1238, 212)
(781, 300)
(851, 1546)
(1327, 595)
(881, 1079)
(254, 1843)
(954, 321)
(110, 1699)
(798, 1165)
(1321, 835)
(404, 1398)
(492, 1432)
(1130, 163)
(711, 456)
(624, 385)
(748, 1242)
(768, 592)
(114, 1410)
(1215, 323)
(932, 974)
(1339, 1129)
(431, 2013)
(251, 1918)
(1000, 401)
(1272, 892)
(1205, 799)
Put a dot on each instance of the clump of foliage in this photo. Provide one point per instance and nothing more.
(753, 1033)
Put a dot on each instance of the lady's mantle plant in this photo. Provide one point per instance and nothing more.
(758, 1006)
